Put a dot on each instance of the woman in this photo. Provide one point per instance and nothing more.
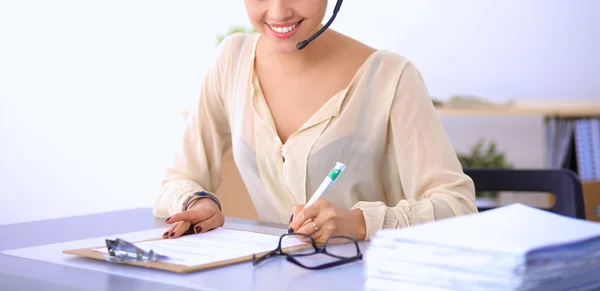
(289, 115)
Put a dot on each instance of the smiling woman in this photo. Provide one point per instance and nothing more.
(290, 112)
(287, 26)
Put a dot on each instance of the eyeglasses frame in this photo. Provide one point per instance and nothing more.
(290, 257)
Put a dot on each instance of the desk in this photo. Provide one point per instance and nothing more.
(24, 274)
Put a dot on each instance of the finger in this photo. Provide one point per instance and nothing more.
(324, 232)
(323, 226)
(180, 229)
(321, 236)
(171, 229)
(308, 227)
(307, 213)
(321, 220)
(209, 224)
(297, 209)
(193, 216)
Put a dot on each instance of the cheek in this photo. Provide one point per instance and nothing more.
(255, 15)
(316, 8)
(314, 13)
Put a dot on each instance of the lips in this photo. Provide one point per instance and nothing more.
(285, 30)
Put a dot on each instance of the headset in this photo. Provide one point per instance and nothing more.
(305, 42)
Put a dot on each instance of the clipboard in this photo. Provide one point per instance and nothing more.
(91, 253)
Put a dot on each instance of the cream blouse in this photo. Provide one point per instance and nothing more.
(401, 168)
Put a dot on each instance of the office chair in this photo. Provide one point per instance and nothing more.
(563, 183)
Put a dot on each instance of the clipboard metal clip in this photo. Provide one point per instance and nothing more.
(121, 251)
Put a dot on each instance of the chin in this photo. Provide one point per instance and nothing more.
(287, 47)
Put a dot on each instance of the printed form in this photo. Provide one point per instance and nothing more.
(214, 246)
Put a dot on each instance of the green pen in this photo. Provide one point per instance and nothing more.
(329, 180)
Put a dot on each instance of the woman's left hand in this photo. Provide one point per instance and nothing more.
(329, 220)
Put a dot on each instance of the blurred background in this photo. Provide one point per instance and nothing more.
(93, 94)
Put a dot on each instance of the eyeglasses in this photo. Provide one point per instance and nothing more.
(338, 250)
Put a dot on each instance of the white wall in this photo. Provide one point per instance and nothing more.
(535, 49)
(90, 91)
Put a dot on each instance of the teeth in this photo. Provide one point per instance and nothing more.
(283, 29)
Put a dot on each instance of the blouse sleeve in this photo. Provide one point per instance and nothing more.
(196, 165)
(432, 177)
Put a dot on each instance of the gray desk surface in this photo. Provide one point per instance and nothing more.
(25, 274)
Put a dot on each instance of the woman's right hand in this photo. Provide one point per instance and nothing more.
(202, 216)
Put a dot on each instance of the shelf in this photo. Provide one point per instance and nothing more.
(566, 111)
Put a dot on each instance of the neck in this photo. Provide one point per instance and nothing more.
(319, 49)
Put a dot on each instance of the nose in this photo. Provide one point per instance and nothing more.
(280, 10)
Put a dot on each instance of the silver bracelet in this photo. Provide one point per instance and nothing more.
(198, 196)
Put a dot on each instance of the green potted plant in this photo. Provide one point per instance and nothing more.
(234, 29)
(482, 156)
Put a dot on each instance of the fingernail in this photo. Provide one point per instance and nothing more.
(291, 218)
(290, 230)
(166, 220)
(198, 229)
(172, 234)
(166, 232)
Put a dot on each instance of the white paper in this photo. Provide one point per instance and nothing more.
(513, 229)
(53, 254)
(510, 248)
(214, 246)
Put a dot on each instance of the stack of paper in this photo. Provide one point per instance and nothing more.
(515, 247)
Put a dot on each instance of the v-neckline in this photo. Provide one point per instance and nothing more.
(328, 110)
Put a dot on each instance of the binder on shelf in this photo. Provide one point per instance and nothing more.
(587, 148)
